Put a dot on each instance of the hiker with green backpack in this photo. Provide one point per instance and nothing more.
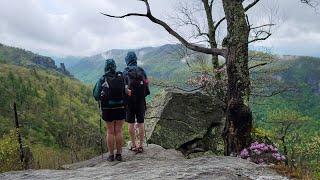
(137, 89)
(109, 91)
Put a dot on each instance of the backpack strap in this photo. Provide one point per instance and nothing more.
(105, 84)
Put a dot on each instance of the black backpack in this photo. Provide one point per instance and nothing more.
(113, 90)
(136, 83)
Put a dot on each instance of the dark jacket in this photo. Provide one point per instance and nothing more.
(110, 67)
(131, 61)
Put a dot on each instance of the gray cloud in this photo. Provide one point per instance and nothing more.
(297, 31)
(75, 27)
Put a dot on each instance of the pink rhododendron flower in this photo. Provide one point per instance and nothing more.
(262, 153)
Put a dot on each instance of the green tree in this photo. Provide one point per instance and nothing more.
(286, 125)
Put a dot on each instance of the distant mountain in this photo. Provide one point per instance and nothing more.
(168, 62)
(21, 57)
(162, 62)
(303, 70)
(68, 61)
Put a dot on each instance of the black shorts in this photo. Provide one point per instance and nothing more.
(110, 115)
(134, 111)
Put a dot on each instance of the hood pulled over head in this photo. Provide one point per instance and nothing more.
(131, 59)
(110, 66)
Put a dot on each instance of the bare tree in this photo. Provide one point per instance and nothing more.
(312, 3)
(237, 131)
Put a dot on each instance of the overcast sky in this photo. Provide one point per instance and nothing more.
(75, 27)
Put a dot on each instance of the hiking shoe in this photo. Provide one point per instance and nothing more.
(118, 157)
(139, 150)
(110, 158)
(133, 148)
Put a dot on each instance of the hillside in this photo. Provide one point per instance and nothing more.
(21, 57)
(161, 62)
(297, 76)
(58, 116)
(168, 62)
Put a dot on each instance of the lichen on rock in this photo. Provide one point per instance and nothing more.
(184, 120)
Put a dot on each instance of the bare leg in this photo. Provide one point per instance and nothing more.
(119, 135)
(141, 133)
(132, 134)
(110, 136)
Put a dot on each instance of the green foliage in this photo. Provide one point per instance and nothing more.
(291, 119)
(56, 112)
(50, 107)
(53, 158)
(15, 55)
(9, 152)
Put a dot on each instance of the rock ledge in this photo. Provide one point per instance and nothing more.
(155, 163)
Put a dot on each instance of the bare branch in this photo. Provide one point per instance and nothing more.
(188, 19)
(123, 16)
(219, 22)
(213, 51)
(265, 25)
(178, 88)
(210, 23)
(259, 34)
(312, 3)
(274, 93)
(258, 65)
(211, 4)
(251, 5)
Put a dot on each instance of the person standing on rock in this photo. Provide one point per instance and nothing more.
(136, 89)
(110, 92)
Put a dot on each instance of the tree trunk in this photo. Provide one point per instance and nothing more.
(212, 38)
(18, 134)
(237, 132)
(215, 66)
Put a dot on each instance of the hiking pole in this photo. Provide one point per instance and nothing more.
(144, 124)
(145, 133)
(101, 139)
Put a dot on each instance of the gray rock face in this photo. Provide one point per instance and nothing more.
(155, 163)
(49, 63)
(178, 119)
(45, 62)
(64, 70)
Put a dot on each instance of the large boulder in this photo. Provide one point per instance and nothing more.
(188, 121)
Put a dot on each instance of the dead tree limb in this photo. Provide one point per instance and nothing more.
(198, 48)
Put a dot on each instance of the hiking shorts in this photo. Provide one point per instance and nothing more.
(110, 115)
(136, 111)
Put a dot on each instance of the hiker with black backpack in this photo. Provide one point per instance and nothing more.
(136, 89)
(110, 92)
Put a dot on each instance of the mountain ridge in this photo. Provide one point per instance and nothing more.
(57, 114)
(22, 57)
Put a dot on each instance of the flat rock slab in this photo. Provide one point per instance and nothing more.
(154, 163)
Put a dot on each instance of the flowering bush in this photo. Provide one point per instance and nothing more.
(262, 153)
(200, 80)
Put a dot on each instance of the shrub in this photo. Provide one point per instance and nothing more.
(9, 153)
(262, 153)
